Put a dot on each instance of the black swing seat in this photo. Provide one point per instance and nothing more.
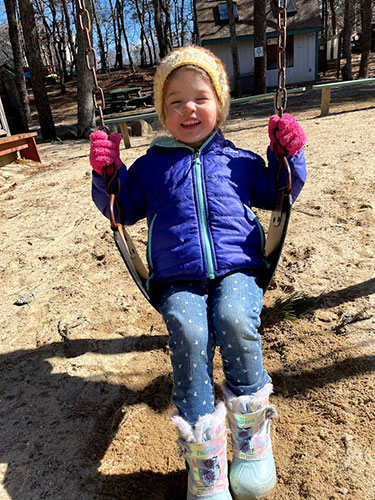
(274, 243)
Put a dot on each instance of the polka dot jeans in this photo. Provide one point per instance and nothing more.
(200, 315)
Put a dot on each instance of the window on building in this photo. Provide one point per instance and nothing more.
(272, 52)
(221, 13)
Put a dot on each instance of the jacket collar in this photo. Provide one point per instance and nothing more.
(215, 139)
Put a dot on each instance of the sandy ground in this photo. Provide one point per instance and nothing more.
(85, 375)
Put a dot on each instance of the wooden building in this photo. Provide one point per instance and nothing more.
(303, 27)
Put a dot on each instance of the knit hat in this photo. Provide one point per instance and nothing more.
(196, 56)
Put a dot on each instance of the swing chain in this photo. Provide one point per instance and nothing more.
(281, 93)
(84, 24)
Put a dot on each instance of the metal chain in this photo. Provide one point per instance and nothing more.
(84, 24)
(281, 93)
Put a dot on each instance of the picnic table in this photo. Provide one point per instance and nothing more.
(128, 98)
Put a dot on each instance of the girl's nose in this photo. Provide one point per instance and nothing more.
(188, 107)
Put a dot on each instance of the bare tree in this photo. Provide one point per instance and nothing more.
(237, 91)
(163, 45)
(85, 84)
(70, 34)
(366, 18)
(10, 7)
(120, 14)
(260, 66)
(36, 69)
(55, 34)
(103, 64)
(333, 16)
(140, 9)
(150, 33)
(195, 35)
(347, 49)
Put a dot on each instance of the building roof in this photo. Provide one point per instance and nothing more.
(306, 18)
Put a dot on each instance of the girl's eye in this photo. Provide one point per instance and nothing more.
(175, 102)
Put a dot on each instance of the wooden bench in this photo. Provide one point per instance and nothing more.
(326, 91)
(123, 120)
(24, 143)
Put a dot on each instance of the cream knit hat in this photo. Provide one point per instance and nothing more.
(196, 56)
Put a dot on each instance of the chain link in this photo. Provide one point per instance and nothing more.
(281, 93)
(84, 24)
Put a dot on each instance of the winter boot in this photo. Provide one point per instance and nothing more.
(204, 447)
(253, 472)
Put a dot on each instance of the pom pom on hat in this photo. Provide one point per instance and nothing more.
(195, 56)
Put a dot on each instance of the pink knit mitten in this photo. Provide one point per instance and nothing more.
(104, 150)
(290, 133)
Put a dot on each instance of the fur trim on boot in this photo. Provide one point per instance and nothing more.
(204, 446)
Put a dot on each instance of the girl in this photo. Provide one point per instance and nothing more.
(205, 253)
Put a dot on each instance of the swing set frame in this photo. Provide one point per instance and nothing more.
(280, 216)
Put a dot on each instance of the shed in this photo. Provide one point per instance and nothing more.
(303, 27)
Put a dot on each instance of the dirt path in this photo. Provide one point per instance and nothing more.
(85, 377)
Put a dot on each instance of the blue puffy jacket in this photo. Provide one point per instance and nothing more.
(197, 205)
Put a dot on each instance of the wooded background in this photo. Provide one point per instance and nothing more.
(132, 34)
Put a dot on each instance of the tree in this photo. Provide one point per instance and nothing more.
(85, 84)
(10, 7)
(347, 49)
(237, 91)
(260, 66)
(366, 18)
(55, 34)
(163, 43)
(34, 58)
(103, 64)
(333, 16)
(120, 14)
(70, 35)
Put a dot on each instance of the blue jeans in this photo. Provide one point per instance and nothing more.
(200, 315)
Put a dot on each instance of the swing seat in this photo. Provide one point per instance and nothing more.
(276, 235)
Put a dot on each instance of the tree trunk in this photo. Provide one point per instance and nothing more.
(85, 84)
(333, 16)
(167, 25)
(237, 91)
(58, 43)
(348, 27)
(119, 21)
(196, 36)
(366, 18)
(144, 38)
(103, 63)
(150, 31)
(120, 14)
(163, 51)
(115, 34)
(260, 66)
(183, 24)
(10, 6)
(34, 59)
(70, 34)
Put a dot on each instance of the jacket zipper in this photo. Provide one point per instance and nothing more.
(203, 216)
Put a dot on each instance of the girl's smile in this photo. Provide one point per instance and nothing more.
(191, 107)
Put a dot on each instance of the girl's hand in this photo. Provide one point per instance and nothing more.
(289, 133)
(104, 151)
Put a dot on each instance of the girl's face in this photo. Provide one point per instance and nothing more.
(190, 106)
